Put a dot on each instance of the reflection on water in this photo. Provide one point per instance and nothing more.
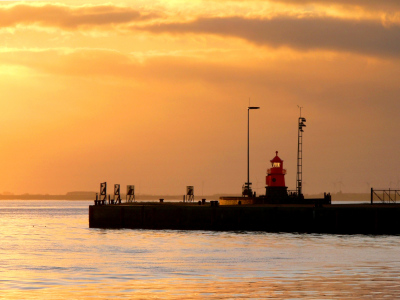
(47, 251)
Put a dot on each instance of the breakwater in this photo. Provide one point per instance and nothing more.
(342, 219)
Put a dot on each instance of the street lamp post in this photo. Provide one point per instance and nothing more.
(248, 183)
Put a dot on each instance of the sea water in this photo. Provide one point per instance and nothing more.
(48, 251)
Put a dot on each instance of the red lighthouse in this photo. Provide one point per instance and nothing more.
(276, 174)
(276, 189)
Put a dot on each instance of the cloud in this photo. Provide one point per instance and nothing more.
(80, 62)
(332, 34)
(69, 18)
(370, 4)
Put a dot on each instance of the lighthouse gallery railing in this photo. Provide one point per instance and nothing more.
(283, 171)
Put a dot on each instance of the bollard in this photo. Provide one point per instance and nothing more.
(199, 202)
(203, 201)
(239, 202)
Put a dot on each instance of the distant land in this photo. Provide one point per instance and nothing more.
(92, 196)
(344, 196)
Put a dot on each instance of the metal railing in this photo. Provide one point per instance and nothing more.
(385, 196)
(281, 171)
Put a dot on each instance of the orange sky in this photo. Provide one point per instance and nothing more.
(155, 94)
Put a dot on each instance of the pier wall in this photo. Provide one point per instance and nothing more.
(342, 219)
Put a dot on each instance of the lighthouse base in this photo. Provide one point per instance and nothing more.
(275, 197)
(276, 194)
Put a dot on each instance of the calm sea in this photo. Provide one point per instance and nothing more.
(47, 251)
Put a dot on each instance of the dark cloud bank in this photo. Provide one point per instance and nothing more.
(368, 4)
(366, 37)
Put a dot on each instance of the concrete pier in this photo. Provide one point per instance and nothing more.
(342, 219)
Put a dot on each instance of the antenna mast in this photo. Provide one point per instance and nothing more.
(299, 178)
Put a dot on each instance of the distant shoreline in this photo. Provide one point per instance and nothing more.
(92, 196)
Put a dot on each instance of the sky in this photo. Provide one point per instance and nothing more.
(155, 94)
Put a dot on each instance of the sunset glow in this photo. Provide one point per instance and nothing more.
(155, 94)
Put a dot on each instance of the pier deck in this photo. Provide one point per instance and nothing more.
(334, 218)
